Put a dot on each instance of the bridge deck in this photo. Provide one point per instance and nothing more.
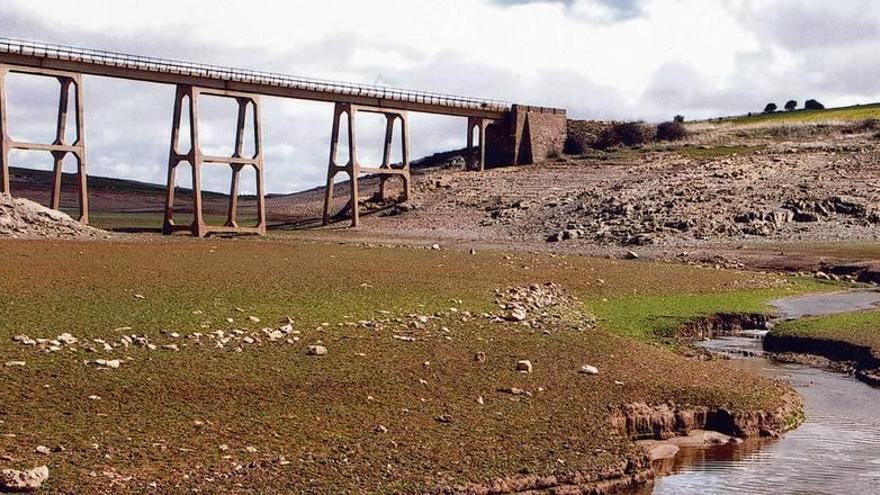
(135, 67)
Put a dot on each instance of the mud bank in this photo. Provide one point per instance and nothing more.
(659, 430)
(709, 327)
(836, 355)
(664, 421)
(628, 474)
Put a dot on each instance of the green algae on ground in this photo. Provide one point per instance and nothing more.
(657, 316)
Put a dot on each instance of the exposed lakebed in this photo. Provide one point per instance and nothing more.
(836, 450)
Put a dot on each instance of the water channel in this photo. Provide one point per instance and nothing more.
(835, 451)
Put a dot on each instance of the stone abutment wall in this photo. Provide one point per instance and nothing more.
(526, 135)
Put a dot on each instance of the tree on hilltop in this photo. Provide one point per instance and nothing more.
(770, 108)
(790, 105)
(813, 105)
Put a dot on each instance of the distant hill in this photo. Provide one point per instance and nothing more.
(855, 112)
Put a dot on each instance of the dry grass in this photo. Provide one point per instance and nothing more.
(162, 417)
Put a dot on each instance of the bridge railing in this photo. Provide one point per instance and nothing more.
(219, 72)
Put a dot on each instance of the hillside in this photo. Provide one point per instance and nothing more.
(851, 113)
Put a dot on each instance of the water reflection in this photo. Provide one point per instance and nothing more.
(837, 450)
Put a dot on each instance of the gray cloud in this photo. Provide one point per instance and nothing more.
(803, 25)
(622, 9)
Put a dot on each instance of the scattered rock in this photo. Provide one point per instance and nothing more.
(13, 364)
(517, 314)
(514, 391)
(589, 370)
(105, 363)
(480, 357)
(524, 366)
(316, 350)
(444, 418)
(42, 449)
(23, 481)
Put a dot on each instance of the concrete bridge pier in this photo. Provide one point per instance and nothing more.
(58, 148)
(476, 159)
(189, 96)
(353, 167)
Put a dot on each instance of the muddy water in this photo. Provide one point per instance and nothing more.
(837, 449)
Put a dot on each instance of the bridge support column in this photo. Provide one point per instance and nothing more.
(195, 158)
(354, 169)
(476, 159)
(58, 148)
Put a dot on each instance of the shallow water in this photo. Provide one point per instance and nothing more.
(837, 449)
(823, 304)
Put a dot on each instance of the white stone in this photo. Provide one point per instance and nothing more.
(12, 364)
(524, 366)
(589, 370)
(316, 350)
(23, 481)
(112, 363)
(518, 314)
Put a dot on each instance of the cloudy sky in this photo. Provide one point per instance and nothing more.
(621, 59)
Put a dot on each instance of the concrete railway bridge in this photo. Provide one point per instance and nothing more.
(497, 132)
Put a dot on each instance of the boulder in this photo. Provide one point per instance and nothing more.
(23, 481)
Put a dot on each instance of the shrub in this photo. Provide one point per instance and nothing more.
(790, 105)
(671, 131)
(621, 134)
(813, 105)
(770, 108)
(679, 119)
(573, 146)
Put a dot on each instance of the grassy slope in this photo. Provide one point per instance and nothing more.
(860, 328)
(321, 413)
(859, 112)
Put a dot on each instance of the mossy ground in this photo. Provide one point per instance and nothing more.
(653, 317)
(162, 417)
